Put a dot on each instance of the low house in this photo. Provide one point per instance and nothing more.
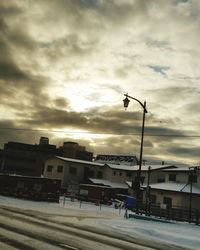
(173, 194)
(180, 189)
(101, 190)
(149, 174)
(72, 171)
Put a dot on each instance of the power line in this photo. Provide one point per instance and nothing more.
(96, 133)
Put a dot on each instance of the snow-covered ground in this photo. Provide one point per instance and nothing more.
(181, 234)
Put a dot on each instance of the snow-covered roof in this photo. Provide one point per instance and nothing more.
(180, 169)
(108, 183)
(80, 161)
(129, 183)
(136, 167)
(176, 187)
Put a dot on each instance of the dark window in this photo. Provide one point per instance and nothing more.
(49, 168)
(192, 178)
(99, 175)
(60, 169)
(120, 174)
(114, 173)
(72, 170)
(37, 187)
(161, 180)
(153, 198)
(172, 177)
(128, 174)
(86, 172)
(91, 173)
(167, 201)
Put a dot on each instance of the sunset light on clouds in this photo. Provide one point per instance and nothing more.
(66, 64)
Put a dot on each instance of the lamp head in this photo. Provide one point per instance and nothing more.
(126, 102)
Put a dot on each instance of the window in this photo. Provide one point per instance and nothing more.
(128, 174)
(72, 170)
(99, 175)
(167, 201)
(114, 173)
(161, 180)
(37, 187)
(172, 177)
(153, 198)
(49, 168)
(60, 169)
(120, 174)
(20, 184)
(91, 173)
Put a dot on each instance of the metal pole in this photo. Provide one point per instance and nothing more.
(138, 176)
(148, 191)
(190, 201)
(138, 195)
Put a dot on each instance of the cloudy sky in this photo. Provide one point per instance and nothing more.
(66, 64)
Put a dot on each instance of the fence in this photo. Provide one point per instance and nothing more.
(171, 213)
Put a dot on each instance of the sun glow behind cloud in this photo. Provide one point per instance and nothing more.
(74, 60)
(80, 135)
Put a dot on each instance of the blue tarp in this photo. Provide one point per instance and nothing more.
(130, 202)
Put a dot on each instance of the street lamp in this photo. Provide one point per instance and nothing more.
(138, 177)
(192, 170)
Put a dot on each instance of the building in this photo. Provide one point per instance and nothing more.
(181, 188)
(74, 172)
(71, 171)
(25, 159)
(75, 151)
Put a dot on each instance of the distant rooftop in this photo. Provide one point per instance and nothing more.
(80, 161)
(117, 159)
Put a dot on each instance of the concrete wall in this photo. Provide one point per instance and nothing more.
(116, 175)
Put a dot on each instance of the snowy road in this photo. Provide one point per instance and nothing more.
(28, 225)
(30, 230)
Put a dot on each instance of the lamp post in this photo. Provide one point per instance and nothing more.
(192, 170)
(148, 190)
(138, 177)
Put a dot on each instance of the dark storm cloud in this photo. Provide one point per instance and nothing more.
(61, 102)
(7, 133)
(10, 71)
(48, 118)
(184, 151)
(107, 122)
(15, 41)
(9, 9)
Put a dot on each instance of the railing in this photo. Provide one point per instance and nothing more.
(171, 213)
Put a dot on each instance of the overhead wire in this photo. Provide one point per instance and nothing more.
(96, 133)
